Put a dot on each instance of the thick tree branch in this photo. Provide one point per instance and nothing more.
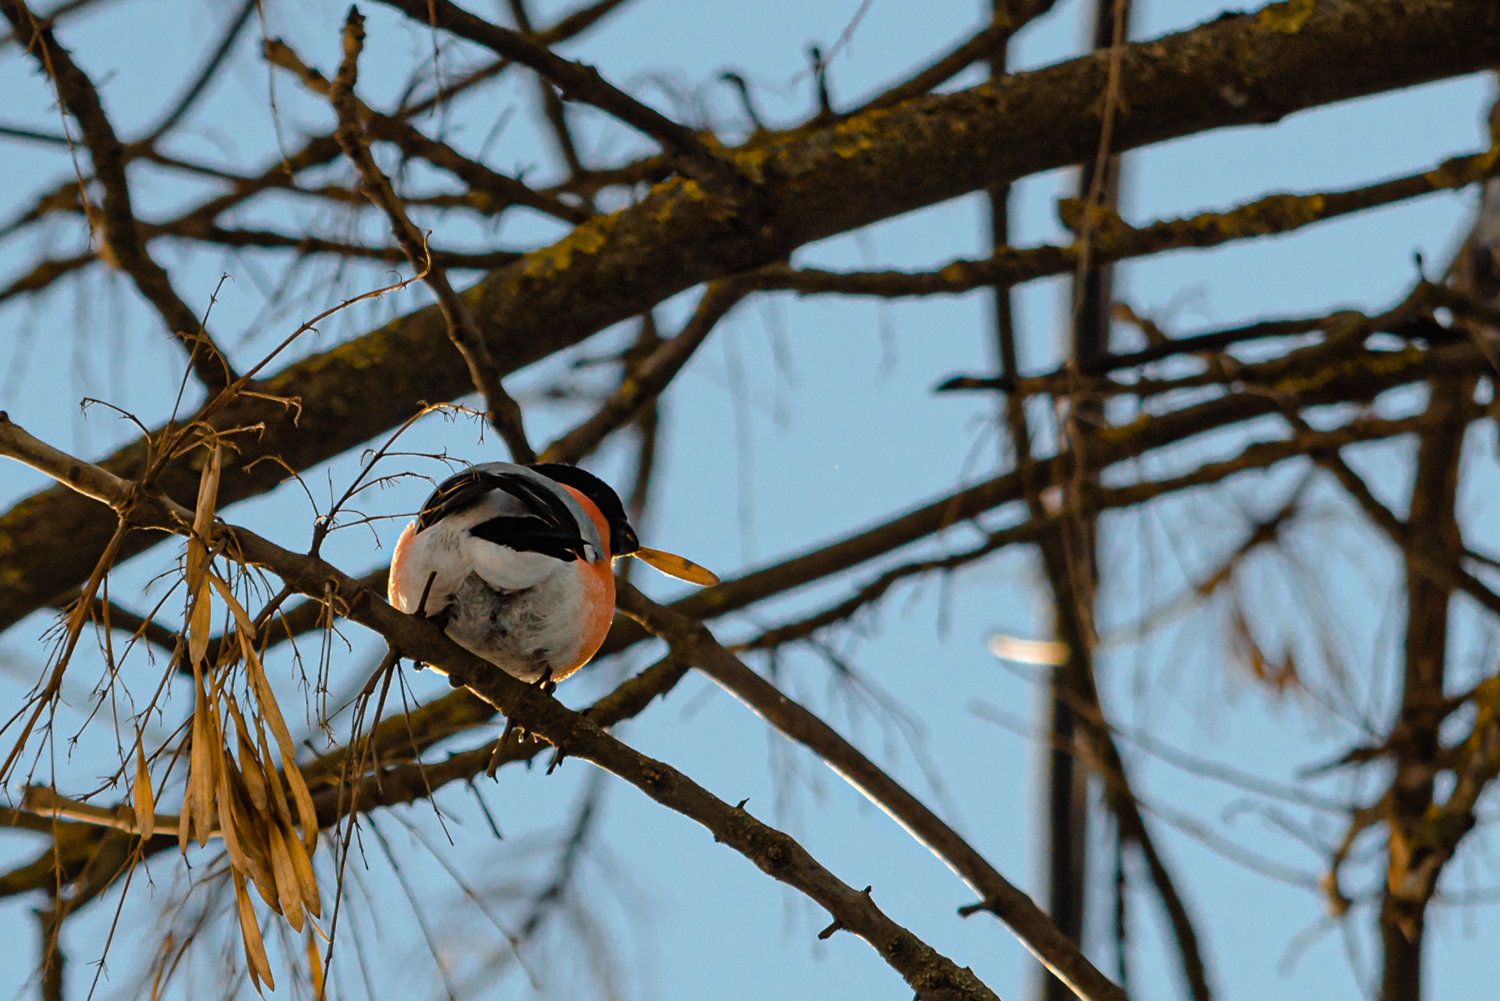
(115, 221)
(1112, 239)
(692, 643)
(463, 329)
(1431, 529)
(580, 82)
(933, 976)
(915, 154)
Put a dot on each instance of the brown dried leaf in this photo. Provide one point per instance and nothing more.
(287, 889)
(250, 832)
(145, 802)
(208, 493)
(314, 965)
(250, 764)
(200, 624)
(271, 713)
(277, 794)
(306, 813)
(203, 518)
(184, 821)
(307, 880)
(269, 710)
(242, 619)
(255, 949)
(237, 860)
(197, 556)
(202, 780)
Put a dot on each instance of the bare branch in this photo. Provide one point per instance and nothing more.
(487, 189)
(1112, 239)
(932, 975)
(463, 331)
(580, 82)
(692, 643)
(115, 221)
(651, 376)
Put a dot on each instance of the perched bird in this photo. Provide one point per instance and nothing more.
(515, 563)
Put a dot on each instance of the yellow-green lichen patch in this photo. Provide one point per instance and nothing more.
(1273, 214)
(1286, 18)
(1387, 363)
(1463, 170)
(671, 191)
(750, 156)
(856, 134)
(1103, 223)
(751, 160)
(587, 238)
(956, 273)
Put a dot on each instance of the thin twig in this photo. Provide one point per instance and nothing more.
(503, 411)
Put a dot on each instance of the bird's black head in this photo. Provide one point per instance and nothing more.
(622, 540)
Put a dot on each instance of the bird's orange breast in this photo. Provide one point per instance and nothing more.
(597, 580)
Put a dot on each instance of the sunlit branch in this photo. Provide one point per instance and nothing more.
(581, 83)
(463, 330)
(933, 976)
(114, 220)
(692, 643)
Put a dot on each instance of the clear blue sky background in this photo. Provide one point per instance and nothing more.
(800, 419)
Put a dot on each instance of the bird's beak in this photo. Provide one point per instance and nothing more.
(677, 566)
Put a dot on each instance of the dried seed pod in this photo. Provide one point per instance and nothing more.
(257, 962)
(307, 816)
(302, 869)
(203, 518)
(287, 890)
(145, 802)
(251, 767)
(238, 863)
(275, 792)
(314, 964)
(200, 625)
(185, 821)
(202, 780)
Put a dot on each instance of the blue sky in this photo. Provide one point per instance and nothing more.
(797, 421)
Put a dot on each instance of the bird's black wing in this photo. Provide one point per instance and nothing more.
(456, 494)
(549, 526)
(530, 535)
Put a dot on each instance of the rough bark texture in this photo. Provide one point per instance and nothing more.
(1432, 532)
(1234, 71)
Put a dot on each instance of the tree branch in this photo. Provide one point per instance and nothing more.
(692, 643)
(915, 154)
(933, 976)
(651, 376)
(463, 330)
(115, 222)
(580, 82)
(482, 181)
(1112, 239)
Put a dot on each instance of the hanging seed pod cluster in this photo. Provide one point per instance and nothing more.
(238, 787)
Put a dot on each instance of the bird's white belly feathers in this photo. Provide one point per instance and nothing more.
(530, 634)
(522, 611)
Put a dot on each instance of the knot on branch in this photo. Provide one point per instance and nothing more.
(837, 924)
